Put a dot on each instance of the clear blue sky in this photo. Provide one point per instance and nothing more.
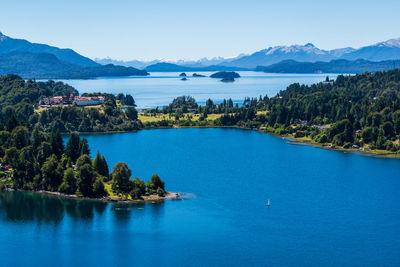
(172, 29)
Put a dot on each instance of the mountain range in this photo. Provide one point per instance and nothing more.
(32, 60)
(170, 67)
(388, 50)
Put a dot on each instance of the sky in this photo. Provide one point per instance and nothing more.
(186, 29)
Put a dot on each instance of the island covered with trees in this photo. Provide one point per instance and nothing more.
(226, 76)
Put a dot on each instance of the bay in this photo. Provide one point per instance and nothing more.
(328, 208)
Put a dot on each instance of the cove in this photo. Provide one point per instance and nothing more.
(328, 208)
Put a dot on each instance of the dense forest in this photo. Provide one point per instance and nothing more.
(18, 99)
(361, 111)
(33, 160)
(32, 152)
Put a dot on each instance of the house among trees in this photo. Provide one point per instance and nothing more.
(71, 100)
(58, 100)
(88, 100)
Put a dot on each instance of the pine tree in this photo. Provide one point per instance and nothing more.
(73, 145)
(84, 147)
(56, 143)
(105, 171)
(98, 163)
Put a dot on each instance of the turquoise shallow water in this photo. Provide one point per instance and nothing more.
(160, 88)
(327, 208)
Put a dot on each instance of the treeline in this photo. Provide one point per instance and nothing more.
(37, 161)
(361, 110)
(18, 99)
(110, 117)
(17, 96)
(353, 111)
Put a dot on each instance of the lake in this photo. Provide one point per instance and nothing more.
(328, 208)
(160, 88)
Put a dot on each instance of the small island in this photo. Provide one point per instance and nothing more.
(184, 79)
(182, 74)
(225, 75)
(198, 75)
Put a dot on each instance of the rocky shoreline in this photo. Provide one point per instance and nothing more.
(150, 198)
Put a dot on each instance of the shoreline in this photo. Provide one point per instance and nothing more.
(291, 140)
(150, 198)
(370, 153)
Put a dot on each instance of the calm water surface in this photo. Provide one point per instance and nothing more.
(160, 88)
(327, 208)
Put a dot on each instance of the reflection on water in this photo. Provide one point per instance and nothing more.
(25, 206)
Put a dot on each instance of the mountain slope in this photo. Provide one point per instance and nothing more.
(169, 67)
(388, 50)
(131, 63)
(8, 45)
(334, 66)
(48, 66)
(276, 54)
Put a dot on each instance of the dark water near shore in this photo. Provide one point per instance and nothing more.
(327, 208)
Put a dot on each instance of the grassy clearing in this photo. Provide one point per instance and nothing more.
(107, 187)
(303, 139)
(151, 118)
(94, 106)
(159, 117)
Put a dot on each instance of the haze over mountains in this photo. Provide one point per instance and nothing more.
(32, 60)
(389, 50)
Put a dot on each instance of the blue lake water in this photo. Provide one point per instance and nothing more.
(160, 88)
(327, 208)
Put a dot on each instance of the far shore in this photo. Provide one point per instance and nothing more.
(371, 152)
(292, 140)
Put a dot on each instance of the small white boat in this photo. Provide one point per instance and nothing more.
(268, 204)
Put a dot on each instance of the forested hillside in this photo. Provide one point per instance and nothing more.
(19, 98)
(363, 110)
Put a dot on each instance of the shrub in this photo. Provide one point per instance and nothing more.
(347, 145)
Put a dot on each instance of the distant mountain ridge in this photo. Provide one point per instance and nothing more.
(388, 50)
(33, 60)
(201, 63)
(170, 67)
(335, 66)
